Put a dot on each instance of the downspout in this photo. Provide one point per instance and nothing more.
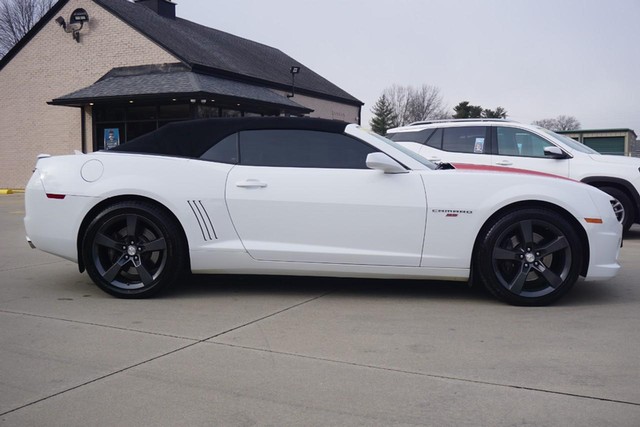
(83, 131)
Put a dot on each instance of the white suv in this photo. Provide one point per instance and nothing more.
(506, 143)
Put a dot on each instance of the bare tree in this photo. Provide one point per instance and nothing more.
(568, 123)
(17, 17)
(561, 122)
(411, 104)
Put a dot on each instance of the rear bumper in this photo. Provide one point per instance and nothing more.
(52, 224)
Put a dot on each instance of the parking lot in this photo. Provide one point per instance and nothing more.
(306, 351)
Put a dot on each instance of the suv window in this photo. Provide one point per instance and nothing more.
(520, 142)
(435, 140)
(420, 137)
(469, 139)
(302, 149)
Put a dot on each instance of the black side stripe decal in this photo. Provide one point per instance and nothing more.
(204, 221)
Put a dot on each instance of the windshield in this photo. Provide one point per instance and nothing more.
(405, 150)
(572, 143)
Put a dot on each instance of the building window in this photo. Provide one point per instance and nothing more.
(132, 121)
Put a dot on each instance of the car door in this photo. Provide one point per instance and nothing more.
(522, 149)
(307, 196)
(459, 144)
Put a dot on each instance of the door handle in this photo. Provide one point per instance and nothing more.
(504, 163)
(434, 159)
(251, 183)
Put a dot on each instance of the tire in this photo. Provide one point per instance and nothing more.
(627, 214)
(133, 250)
(529, 256)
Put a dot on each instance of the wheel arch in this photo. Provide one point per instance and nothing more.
(584, 240)
(619, 183)
(124, 198)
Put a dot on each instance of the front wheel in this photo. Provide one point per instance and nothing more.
(529, 257)
(133, 250)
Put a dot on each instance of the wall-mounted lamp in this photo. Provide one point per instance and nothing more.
(76, 22)
(293, 70)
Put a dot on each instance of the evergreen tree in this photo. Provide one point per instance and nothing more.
(384, 117)
(465, 111)
(498, 113)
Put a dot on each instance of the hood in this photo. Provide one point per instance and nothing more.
(616, 160)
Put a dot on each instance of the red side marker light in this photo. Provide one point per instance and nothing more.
(55, 196)
(594, 220)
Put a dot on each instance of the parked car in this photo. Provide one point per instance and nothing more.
(510, 144)
(300, 196)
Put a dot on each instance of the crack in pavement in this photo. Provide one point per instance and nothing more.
(424, 374)
(127, 368)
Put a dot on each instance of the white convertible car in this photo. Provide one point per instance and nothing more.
(300, 196)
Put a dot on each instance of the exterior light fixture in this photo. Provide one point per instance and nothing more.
(193, 101)
(131, 102)
(76, 22)
(293, 70)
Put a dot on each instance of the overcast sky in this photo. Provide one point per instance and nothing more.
(536, 58)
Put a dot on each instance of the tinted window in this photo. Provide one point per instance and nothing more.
(302, 149)
(519, 142)
(464, 139)
(225, 151)
(435, 140)
(420, 137)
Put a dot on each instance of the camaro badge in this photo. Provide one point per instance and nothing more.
(452, 213)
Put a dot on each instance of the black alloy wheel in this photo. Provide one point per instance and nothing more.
(530, 257)
(133, 250)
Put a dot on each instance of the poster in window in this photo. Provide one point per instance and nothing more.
(111, 138)
(479, 145)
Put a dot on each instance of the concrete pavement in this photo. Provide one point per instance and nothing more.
(301, 351)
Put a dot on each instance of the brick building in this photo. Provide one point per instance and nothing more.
(73, 84)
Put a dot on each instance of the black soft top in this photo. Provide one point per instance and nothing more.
(193, 138)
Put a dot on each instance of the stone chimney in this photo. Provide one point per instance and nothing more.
(162, 7)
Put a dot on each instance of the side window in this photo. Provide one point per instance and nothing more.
(420, 137)
(435, 140)
(519, 142)
(302, 149)
(225, 150)
(469, 139)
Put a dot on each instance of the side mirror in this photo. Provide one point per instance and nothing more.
(381, 161)
(554, 152)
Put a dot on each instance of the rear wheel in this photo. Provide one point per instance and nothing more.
(530, 257)
(133, 250)
(624, 209)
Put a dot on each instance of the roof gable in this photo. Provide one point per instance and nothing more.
(222, 53)
(32, 32)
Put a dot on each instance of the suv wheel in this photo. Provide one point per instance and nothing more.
(625, 210)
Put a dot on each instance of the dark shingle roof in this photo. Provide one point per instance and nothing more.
(172, 80)
(222, 53)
